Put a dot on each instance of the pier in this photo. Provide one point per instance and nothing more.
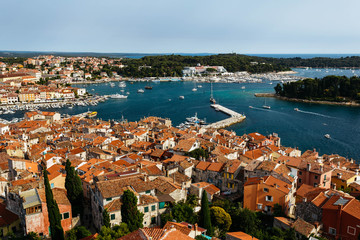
(234, 117)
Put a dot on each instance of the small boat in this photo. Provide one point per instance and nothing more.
(199, 86)
(169, 99)
(140, 90)
(92, 114)
(194, 89)
(251, 107)
(266, 106)
(112, 84)
(182, 97)
(327, 136)
(296, 109)
(243, 87)
(118, 96)
(148, 87)
(212, 99)
(122, 84)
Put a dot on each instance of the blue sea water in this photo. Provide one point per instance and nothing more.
(304, 129)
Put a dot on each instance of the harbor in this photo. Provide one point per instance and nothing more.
(234, 117)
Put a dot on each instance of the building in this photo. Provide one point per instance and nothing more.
(261, 194)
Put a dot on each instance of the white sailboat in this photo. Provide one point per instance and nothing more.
(212, 99)
(266, 106)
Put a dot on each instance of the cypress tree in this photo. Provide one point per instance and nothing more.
(56, 230)
(106, 218)
(204, 214)
(129, 211)
(74, 189)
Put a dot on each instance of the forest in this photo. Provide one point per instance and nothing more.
(329, 88)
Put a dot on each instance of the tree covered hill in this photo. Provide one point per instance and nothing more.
(329, 88)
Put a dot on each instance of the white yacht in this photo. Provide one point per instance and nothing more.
(194, 89)
(122, 84)
(140, 90)
(182, 97)
(118, 96)
(327, 136)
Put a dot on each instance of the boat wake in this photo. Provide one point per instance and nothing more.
(316, 114)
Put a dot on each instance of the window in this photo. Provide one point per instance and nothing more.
(316, 177)
(153, 220)
(351, 230)
(325, 178)
(267, 209)
(299, 180)
(52, 185)
(112, 216)
(259, 206)
(153, 207)
(109, 199)
(332, 231)
(66, 215)
(161, 205)
(269, 198)
(148, 191)
(300, 173)
(266, 190)
(146, 209)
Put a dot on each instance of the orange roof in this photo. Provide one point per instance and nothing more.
(241, 236)
(203, 165)
(215, 167)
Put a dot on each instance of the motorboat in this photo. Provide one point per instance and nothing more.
(194, 89)
(182, 97)
(327, 136)
(148, 87)
(140, 91)
(118, 96)
(122, 84)
(296, 109)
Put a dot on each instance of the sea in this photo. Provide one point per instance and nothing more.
(304, 129)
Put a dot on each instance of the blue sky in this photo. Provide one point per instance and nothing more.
(191, 26)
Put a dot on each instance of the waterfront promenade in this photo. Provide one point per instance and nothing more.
(234, 117)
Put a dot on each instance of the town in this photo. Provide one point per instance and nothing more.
(195, 183)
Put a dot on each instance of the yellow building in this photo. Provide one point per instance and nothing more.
(9, 221)
(27, 97)
(343, 178)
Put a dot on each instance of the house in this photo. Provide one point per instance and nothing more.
(239, 236)
(261, 194)
(9, 221)
(341, 217)
(191, 230)
(341, 179)
(156, 234)
(34, 212)
(198, 189)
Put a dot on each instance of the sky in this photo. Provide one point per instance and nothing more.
(181, 26)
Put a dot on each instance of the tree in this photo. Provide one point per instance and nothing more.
(118, 231)
(165, 217)
(278, 212)
(56, 230)
(200, 237)
(221, 220)
(129, 211)
(204, 214)
(74, 189)
(183, 212)
(106, 218)
(245, 220)
(192, 200)
(77, 233)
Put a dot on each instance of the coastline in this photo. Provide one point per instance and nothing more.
(273, 95)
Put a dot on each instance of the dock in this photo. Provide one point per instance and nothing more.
(234, 117)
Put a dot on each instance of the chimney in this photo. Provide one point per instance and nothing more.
(308, 167)
(196, 228)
